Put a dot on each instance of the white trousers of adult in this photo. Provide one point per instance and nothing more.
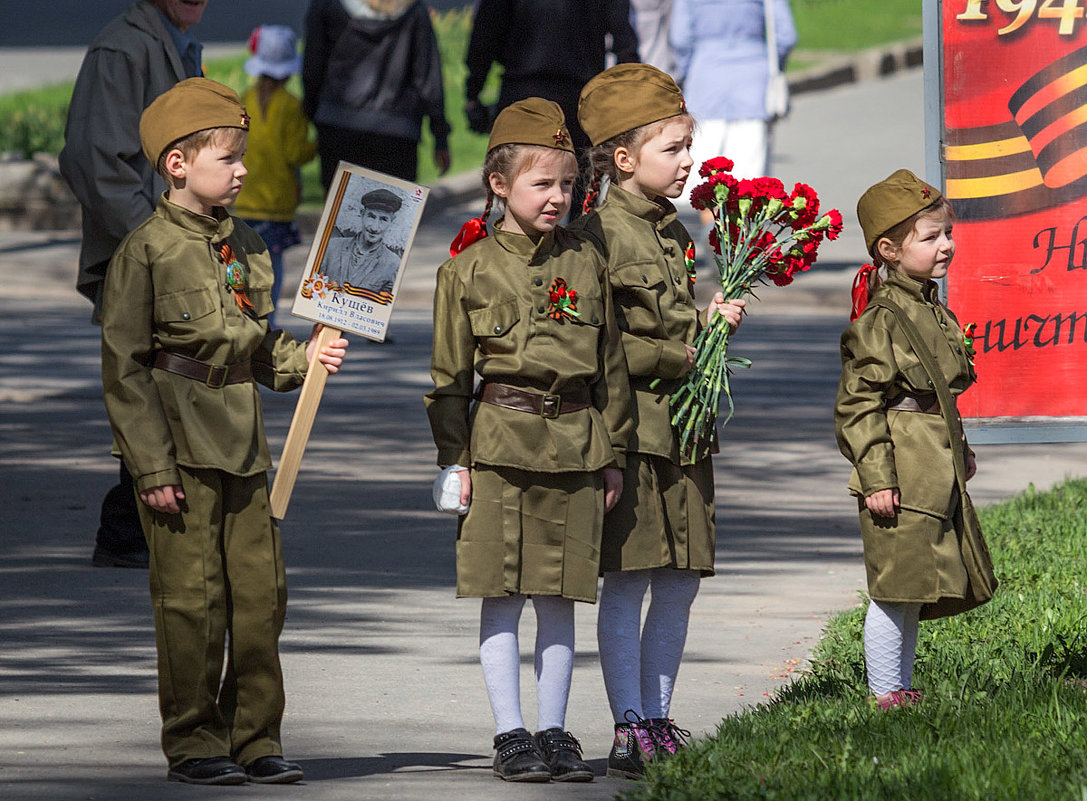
(746, 142)
(890, 643)
(500, 656)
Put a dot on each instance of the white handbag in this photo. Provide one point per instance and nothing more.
(777, 85)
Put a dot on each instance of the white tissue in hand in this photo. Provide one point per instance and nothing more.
(447, 491)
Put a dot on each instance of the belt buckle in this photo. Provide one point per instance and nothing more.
(551, 406)
(217, 375)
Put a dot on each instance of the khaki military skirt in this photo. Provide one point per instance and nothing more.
(531, 534)
(665, 517)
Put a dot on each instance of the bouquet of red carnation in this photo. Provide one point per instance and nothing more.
(759, 232)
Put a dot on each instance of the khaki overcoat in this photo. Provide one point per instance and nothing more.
(915, 556)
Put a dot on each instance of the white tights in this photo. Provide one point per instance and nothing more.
(890, 642)
(640, 662)
(500, 657)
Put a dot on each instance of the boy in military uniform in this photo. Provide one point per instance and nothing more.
(184, 336)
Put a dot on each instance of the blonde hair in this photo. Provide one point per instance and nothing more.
(600, 159)
(229, 138)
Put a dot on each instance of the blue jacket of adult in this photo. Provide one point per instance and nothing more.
(720, 50)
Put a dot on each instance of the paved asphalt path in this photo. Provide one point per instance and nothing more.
(385, 697)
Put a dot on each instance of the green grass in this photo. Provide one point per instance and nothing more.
(850, 25)
(1005, 709)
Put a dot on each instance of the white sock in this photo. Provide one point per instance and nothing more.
(618, 636)
(554, 659)
(664, 635)
(890, 642)
(501, 659)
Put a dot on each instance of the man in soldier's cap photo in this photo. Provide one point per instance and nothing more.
(362, 259)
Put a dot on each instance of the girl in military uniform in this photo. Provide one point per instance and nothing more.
(661, 533)
(923, 550)
(533, 465)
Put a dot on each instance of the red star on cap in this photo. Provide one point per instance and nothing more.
(559, 137)
(925, 194)
(245, 120)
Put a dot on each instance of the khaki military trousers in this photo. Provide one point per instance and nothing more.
(218, 593)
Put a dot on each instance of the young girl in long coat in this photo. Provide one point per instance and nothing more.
(923, 551)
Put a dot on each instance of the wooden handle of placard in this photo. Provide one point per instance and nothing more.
(298, 434)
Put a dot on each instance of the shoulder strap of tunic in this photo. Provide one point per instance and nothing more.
(939, 384)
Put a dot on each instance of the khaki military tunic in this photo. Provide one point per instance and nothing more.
(666, 516)
(533, 525)
(915, 556)
(169, 292)
(217, 567)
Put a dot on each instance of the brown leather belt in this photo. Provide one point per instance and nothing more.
(215, 376)
(926, 403)
(549, 406)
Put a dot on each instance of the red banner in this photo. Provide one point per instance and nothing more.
(1015, 159)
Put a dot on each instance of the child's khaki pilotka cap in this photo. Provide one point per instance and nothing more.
(626, 97)
(192, 105)
(533, 121)
(894, 199)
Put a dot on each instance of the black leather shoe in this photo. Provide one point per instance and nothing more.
(212, 770)
(562, 753)
(138, 559)
(273, 770)
(517, 758)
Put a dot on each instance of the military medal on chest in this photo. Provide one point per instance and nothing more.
(236, 279)
(563, 301)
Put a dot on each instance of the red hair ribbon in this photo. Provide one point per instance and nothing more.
(860, 290)
(472, 231)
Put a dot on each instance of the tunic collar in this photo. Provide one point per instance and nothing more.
(922, 290)
(215, 228)
(521, 245)
(660, 212)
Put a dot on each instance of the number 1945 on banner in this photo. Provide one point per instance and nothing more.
(1063, 13)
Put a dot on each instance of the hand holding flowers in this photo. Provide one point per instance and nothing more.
(759, 232)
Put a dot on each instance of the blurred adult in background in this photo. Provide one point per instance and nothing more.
(652, 19)
(722, 63)
(134, 59)
(370, 73)
(547, 49)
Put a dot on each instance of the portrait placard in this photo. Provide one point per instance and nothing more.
(358, 255)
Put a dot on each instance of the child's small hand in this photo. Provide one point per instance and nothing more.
(732, 311)
(884, 502)
(691, 351)
(465, 486)
(613, 487)
(971, 465)
(331, 356)
(164, 499)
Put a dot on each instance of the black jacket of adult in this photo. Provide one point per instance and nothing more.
(372, 70)
(558, 40)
